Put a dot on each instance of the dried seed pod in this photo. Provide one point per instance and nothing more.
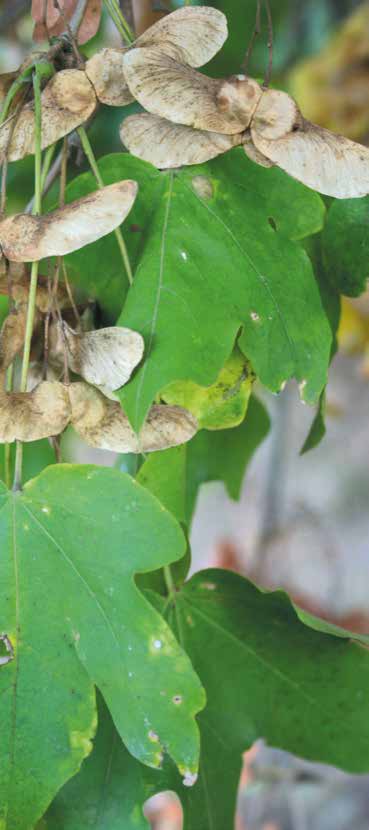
(67, 101)
(104, 357)
(324, 161)
(254, 154)
(105, 70)
(29, 416)
(12, 335)
(166, 145)
(198, 32)
(190, 35)
(165, 87)
(55, 23)
(103, 424)
(28, 238)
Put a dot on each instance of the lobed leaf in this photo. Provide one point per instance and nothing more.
(75, 618)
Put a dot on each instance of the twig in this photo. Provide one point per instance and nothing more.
(82, 4)
(34, 272)
(47, 177)
(115, 12)
(268, 74)
(93, 164)
(255, 34)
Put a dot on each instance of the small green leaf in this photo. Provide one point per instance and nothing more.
(318, 428)
(346, 245)
(221, 405)
(71, 544)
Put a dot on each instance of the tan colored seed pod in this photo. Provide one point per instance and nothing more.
(190, 35)
(167, 145)
(198, 32)
(103, 424)
(324, 161)
(105, 70)
(25, 238)
(105, 356)
(67, 101)
(12, 335)
(167, 88)
(29, 416)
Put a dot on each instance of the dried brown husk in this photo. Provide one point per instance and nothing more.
(103, 424)
(165, 87)
(191, 35)
(165, 145)
(12, 335)
(253, 153)
(103, 357)
(105, 70)
(26, 238)
(29, 416)
(67, 101)
(55, 22)
(198, 32)
(328, 163)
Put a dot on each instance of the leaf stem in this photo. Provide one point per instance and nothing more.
(7, 447)
(169, 581)
(115, 12)
(94, 167)
(34, 270)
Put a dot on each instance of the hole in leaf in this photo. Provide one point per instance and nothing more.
(272, 223)
(6, 650)
(164, 810)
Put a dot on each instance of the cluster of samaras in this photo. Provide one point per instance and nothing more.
(103, 358)
(192, 118)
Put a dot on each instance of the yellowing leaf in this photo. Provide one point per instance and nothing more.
(221, 405)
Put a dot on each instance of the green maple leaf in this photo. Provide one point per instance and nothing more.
(74, 618)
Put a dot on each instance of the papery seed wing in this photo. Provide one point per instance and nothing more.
(167, 145)
(104, 357)
(25, 238)
(29, 416)
(12, 335)
(67, 101)
(103, 424)
(166, 88)
(253, 153)
(199, 32)
(326, 162)
(105, 70)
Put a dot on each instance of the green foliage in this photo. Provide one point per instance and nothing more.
(301, 690)
(176, 475)
(346, 245)
(237, 271)
(75, 618)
